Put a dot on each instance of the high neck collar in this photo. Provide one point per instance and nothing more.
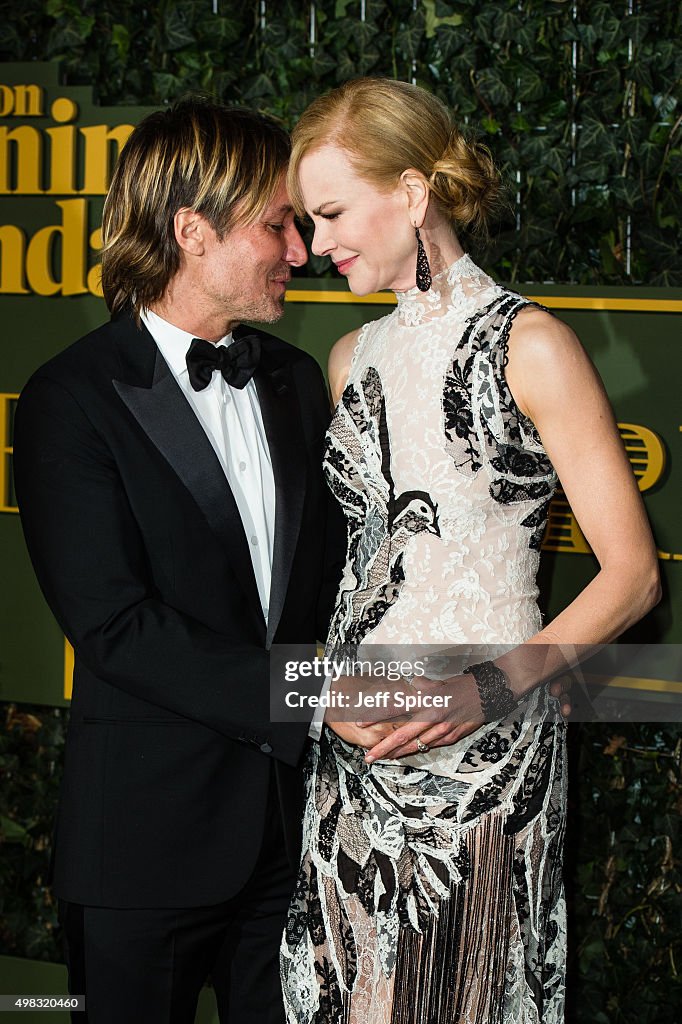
(452, 290)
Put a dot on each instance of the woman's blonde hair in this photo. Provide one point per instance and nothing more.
(223, 162)
(387, 126)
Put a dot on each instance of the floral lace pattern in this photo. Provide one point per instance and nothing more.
(430, 887)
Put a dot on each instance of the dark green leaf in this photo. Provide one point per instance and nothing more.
(493, 88)
(449, 41)
(636, 26)
(626, 191)
(257, 87)
(507, 25)
(165, 85)
(12, 832)
(408, 40)
(485, 25)
(177, 29)
(530, 85)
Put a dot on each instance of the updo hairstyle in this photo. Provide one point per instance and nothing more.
(386, 126)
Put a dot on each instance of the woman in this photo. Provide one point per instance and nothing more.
(430, 886)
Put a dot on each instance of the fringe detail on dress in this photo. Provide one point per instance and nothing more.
(455, 972)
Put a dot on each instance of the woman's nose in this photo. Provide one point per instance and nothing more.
(322, 243)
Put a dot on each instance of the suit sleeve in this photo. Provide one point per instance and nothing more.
(90, 560)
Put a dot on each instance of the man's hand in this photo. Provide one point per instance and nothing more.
(561, 689)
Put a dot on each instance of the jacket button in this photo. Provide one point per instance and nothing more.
(266, 748)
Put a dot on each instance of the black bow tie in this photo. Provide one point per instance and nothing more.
(237, 362)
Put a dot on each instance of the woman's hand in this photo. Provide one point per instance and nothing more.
(458, 715)
(441, 727)
(362, 736)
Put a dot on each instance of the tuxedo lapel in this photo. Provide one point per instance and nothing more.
(281, 418)
(169, 421)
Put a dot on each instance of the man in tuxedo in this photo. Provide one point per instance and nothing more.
(168, 474)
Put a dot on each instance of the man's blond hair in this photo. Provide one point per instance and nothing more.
(223, 162)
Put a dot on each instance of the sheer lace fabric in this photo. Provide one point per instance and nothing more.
(430, 887)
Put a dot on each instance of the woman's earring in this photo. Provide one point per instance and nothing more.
(423, 268)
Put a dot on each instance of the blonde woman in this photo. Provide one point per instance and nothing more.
(430, 887)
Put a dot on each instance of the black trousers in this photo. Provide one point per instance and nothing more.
(147, 966)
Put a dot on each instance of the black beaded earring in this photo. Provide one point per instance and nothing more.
(423, 268)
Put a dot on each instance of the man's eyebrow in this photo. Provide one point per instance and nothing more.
(327, 202)
(282, 210)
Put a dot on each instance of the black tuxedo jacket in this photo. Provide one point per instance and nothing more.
(139, 548)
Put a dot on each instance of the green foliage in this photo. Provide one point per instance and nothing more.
(626, 876)
(31, 750)
(579, 102)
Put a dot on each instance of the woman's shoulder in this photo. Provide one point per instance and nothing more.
(346, 350)
(536, 333)
(340, 360)
(342, 350)
(545, 358)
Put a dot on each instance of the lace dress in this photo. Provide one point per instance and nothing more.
(430, 888)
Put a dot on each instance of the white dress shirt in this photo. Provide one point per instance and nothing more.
(233, 423)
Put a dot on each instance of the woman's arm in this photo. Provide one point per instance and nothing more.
(554, 382)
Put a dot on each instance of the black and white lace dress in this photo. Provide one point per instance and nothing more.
(430, 888)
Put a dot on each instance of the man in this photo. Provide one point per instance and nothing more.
(175, 512)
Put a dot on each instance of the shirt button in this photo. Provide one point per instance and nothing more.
(266, 748)
(242, 466)
(254, 540)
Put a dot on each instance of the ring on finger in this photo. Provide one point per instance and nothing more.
(422, 747)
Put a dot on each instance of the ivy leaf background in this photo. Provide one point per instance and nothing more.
(579, 102)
